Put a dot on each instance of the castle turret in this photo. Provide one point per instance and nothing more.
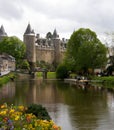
(29, 40)
(2, 33)
(56, 42)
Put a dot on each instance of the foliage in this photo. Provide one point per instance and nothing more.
(85, 51)
(46, 65)
(13, 46)
(15, 118)
(39, 74)
(61, 71)
(104, 81)
(104, 78)
(39, 111)
(6, 78)
(110, 69)
(25, 65)
(111, 58)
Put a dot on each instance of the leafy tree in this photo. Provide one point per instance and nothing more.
(85, 51)
(46, 65)
(13, 46)
(61, 71)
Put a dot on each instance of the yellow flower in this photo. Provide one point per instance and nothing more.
(3, 106)
(17, 118)
(3, 113)
(12, 110)
(30, 126)
(21, 108)
(28, 121)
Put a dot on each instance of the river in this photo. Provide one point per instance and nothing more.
(72, 107)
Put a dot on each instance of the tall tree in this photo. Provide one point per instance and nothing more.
(13, 46)
(85, 51)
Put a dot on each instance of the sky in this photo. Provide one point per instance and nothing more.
(63, 15)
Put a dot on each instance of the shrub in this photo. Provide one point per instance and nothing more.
(61, 72)
(25, 65)
(39, 111)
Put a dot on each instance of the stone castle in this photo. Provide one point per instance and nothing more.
(50, 49)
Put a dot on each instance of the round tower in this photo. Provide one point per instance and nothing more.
(56, 42)
(29, 40)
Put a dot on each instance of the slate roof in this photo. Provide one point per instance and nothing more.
(55, 35)
(2, 31)
(29, 30)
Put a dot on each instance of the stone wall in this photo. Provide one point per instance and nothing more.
(48, 55)
(45, 54)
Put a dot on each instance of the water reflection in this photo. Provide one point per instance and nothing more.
(7, 91)
(70, 106)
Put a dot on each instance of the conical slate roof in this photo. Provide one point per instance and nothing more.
(54, 33)
(29, 30)
(2, 31)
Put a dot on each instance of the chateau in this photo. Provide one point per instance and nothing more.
(49, 49)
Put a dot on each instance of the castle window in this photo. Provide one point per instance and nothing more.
(49, 43)
(38, 42)
(43, 42)
(65, 45)
(61, 44)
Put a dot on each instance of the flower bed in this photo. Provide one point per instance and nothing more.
(15, 118)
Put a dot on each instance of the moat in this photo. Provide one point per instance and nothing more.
(70, 106)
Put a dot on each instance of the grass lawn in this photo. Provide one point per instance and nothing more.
(50, 75)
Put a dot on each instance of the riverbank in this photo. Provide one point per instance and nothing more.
(6, 78)
(104, 79)
(105, 82)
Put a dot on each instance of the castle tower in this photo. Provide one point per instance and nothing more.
(56, 42)
(2, 33)
(29, 40)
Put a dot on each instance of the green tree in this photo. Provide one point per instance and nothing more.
(61, 71)
(13, 46)
(84, 51)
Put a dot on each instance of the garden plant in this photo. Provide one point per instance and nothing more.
(15, 118)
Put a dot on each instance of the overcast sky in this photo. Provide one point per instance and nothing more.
(64, 15)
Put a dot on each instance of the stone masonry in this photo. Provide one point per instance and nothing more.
(49, 49)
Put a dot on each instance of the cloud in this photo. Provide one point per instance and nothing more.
(94, 13)
(10, 10)
(64, 15)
